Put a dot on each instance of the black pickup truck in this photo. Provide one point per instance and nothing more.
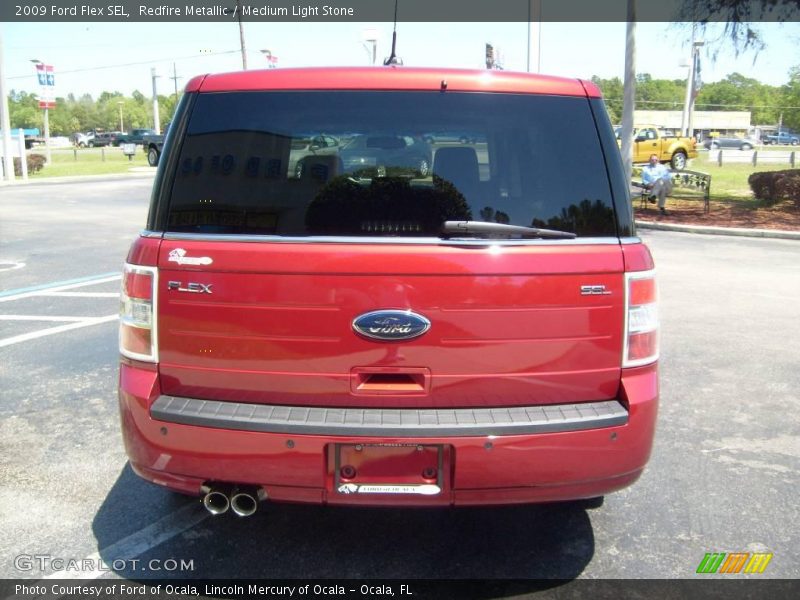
(152, 145)
(136, 136)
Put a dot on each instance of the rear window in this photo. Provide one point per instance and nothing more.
(388, 164)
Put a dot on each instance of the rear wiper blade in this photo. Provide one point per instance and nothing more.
(486, 228)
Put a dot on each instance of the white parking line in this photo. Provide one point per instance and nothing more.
(58, 290)
(38, 291)
(12, 266)
(81, 294)
(53, 330)
(41, 318)
(138, 543)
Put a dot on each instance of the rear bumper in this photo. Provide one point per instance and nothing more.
(541, 454)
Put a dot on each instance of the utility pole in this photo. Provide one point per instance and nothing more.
(156, 119)
(175, 80)
(535, 24)
(241, 34)
(5, 120)
(629, 92)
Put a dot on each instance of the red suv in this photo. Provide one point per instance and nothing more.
(369, 332)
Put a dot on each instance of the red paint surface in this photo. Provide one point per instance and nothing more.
(509, 325)
(392, 78)
(521, 468)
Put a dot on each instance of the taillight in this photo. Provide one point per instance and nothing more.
(137, 326)
(641, 319)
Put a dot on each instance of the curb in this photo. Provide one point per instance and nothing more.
(733, 231)
(78, 178)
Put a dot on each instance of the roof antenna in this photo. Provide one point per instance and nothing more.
(393, 60)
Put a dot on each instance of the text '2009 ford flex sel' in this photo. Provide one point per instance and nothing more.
(389, 286)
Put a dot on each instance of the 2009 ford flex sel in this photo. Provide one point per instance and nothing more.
(447, 306)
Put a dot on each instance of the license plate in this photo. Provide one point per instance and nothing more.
(388, 469)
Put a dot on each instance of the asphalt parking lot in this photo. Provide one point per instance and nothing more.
(723, 476)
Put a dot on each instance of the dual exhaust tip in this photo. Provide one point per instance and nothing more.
(242, 500)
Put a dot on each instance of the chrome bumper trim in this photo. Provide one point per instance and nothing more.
(389, 422)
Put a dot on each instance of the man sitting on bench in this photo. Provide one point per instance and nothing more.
(657, 180)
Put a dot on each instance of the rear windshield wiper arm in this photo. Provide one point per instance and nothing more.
(486, 228)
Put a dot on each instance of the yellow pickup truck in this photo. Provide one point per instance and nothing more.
(670, 149)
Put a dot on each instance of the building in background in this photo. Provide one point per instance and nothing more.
(705, 123)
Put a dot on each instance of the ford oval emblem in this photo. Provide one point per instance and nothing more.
(391, 325)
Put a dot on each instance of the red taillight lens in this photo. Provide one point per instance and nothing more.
(641, 319)
(137, 330)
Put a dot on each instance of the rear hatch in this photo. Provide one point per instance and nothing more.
(266, 271)
(277, 325)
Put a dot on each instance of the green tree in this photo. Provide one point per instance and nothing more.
(737, 92)
(23, 110)
(612, 94)
(790, 98)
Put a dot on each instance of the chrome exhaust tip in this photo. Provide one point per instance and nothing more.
(216, 501)
(244, 501)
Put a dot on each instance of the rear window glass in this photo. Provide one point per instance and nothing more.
(388, 164)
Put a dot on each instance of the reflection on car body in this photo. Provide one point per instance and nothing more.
(312, 145)
(379, 154)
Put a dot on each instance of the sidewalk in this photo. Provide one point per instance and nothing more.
(735, 231)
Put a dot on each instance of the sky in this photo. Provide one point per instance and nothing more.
(96, 57)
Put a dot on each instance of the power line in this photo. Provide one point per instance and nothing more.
(677, 103)
(132, 64)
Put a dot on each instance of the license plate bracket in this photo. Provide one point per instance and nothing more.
(389, 469)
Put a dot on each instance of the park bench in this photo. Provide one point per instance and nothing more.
(689, 185)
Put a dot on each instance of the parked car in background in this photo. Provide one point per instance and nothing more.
(730, 142)
(136, 136)
(783, 137)
(109, 138)
(365, 154)
(672, 149)
(81, 140)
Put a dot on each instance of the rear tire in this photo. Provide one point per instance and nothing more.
(795, 142)
(678, 161)
(746, 147)
(152, 157)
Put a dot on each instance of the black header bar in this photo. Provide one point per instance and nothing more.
(149, 11)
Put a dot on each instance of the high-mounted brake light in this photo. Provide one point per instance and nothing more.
(137, 327)
(641, 319)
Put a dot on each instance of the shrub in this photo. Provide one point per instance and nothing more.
(35, 164)
(772, 186)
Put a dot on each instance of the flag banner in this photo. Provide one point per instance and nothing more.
(47, 85)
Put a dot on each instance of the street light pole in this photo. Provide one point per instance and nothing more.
(688, 103)
(120, 103)
(156, 119)
(370, 36)
(47, 155)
